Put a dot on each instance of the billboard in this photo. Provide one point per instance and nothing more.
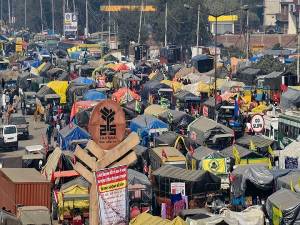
(70, 22)
(112, 195)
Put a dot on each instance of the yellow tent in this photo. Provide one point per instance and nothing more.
(60, 88)
(65, 206)
(154, 110)
(204, 88)
(260, 109)
(147, 219)
(176, 86)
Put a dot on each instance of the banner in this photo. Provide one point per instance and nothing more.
(70, 22)
(112, 195)
(214, 165)
(178, 187)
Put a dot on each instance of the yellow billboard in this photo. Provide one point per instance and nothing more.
(119, 8)
(225, 18)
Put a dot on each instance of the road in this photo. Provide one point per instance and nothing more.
(36, 132)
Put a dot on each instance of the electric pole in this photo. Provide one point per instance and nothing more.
(166, 25)
(140, 26)
(41, 13)
(109, 25)
(9, 16)
(298, 48)
(52, 11)
(86, 19)
(25, 6)
(198, 29)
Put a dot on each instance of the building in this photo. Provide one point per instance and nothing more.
(288, 127)
(226, 24)
(287, 19)
(271, 9)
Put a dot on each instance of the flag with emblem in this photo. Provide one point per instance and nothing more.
(236, 155)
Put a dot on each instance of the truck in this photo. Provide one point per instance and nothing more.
(9, 136)
(22, 126)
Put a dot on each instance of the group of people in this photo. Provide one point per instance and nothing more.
(10, 99)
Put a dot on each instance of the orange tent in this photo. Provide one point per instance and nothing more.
(81, 105)
(120, 67)
(124, 95)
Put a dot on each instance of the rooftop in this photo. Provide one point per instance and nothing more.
(23, 175)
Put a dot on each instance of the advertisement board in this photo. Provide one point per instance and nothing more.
(112, 195)
(70, 22)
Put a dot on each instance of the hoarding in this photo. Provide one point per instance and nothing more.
(70, 22)
(112, 195)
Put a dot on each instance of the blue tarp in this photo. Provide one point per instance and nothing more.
(70, 133)
(83, 80)
(142, 125)
(94, 95)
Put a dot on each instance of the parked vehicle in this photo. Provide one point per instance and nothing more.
(34, 215)
(22, 126)
(9, 136)
(29, 102)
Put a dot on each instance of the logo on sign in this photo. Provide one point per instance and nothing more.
(257, 123)
(109, 116)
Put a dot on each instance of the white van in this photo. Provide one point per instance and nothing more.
(9, 136)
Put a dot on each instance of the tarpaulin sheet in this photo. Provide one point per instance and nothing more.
(286, 204)
(145, 218)
(60, 88)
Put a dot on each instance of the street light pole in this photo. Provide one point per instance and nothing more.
(52, 11)
(215, 65)
(25, 11)
(41, 13)
(140, 25)
(166, 24)
(298, 48)
(247, 38)
(198, 29)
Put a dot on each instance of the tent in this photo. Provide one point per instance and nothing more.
(290, 99)
(94, 95)
(119, 67)
(283, 207)
(289, 181)
(146, 125)
(154, 110)
(176, 86)
(75, 91)
(289, 157)
(71, 133)
(81, 105)
(151, 88)
(196, 181)
(177, 119)
(124, 95)
(210, 133)
(60, 88)
(73, 194)
(83, 80)
(147, 219)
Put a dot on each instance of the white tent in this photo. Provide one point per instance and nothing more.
(289, 154)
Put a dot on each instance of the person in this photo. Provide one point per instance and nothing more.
(1, 116)
(3, 83)
(49, 132)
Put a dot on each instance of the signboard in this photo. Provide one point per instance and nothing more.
(257, 123)
(70, 22)
(107, 124)
(19, 48)
(178, 187)
(112, 195)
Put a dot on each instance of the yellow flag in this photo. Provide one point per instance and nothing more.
(214, 165)
(236, 155)
(270, 150)
(292, 185)
(252, 146)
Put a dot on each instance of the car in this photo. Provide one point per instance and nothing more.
(22, 126)
(9, 137)
(29, 102)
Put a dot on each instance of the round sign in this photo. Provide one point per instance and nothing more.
(257, 123)
(107, 124)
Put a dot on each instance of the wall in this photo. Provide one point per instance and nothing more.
(267, 40)
(7, 194)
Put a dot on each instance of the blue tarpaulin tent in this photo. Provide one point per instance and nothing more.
(146, 126)
(71, 133)
(83, 80)
(94, 95)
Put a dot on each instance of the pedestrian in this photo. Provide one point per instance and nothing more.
(3, 83)
(55, 133)
(49, 132)
(1, 116)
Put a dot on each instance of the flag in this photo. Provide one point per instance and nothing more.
(216, 166)
(164, 154)
(270, 150)
(52, 177)
(252, 146)
(138, 106)
(236, 155)
(236, 108)
(292, 185)
(192, 150)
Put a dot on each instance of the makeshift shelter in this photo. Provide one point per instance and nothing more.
(71, 133)
(120, 67)
(289, 181)
(261, 143)
(125, 80)
(34, 215)
(83, 80)
(54, 73)
(290, 99)
(252, 180)
(81, 105)
(203, 63)
(60, 88)
(151, 88)
(176, 86)
(146, 218)
(248, 75)
(75, 93)
(289, 157)
(154, 110)
(147, 126)
(196, 182)
(210, 133)
(283, 207)
(177, 120)
(124, 95)
(73, 194)
(94, 95)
